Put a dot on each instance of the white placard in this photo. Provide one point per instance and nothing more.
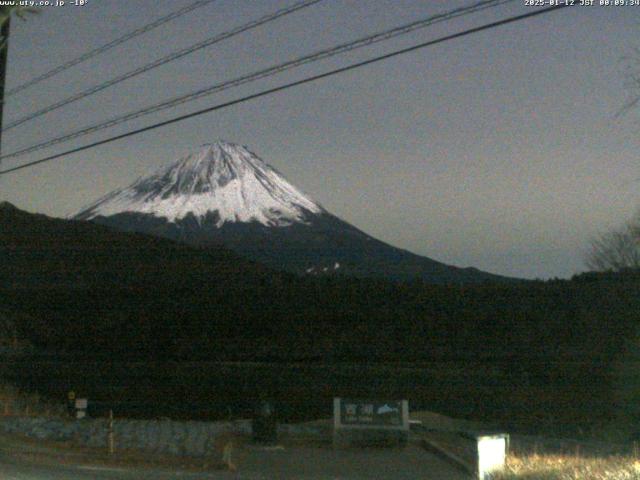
(492, 454)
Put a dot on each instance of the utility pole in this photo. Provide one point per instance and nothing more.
(4, 52)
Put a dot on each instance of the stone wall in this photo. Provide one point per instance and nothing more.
(157, 436)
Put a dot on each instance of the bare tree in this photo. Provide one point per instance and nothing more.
(616, 250)
(20, 12)
(631, 76)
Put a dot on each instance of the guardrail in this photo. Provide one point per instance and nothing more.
(478, 454)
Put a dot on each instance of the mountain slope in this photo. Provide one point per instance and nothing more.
(224, 194)
(78, 286)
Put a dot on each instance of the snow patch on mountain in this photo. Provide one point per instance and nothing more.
(316, 270)
(221, 178)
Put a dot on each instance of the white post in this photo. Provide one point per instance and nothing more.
(336, 421)
(110, 433)
(492, 454)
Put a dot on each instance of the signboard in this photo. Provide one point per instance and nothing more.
(81, 407)
(371, 414)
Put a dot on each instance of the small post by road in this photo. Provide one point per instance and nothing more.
(110, 433)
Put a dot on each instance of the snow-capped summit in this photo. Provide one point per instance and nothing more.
(222, 179)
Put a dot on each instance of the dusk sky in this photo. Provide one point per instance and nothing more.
(500, 150)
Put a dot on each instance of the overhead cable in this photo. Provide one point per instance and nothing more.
(161, 61)
(108, 46)
(290, 85)
(267, 72)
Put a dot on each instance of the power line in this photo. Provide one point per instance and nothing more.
(97, 51)
(270, 71)
(291, 85)
(4, 53)
(162, 61)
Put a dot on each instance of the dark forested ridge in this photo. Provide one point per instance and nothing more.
(322, 245)
(82, 288)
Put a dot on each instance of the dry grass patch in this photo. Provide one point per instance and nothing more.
(230, 449)
(566, 467)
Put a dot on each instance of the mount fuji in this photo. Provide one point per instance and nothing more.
(223, 194)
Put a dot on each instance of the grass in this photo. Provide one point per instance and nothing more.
(568, 467)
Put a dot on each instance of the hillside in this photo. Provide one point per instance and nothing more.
(532, 353)
(79, 285)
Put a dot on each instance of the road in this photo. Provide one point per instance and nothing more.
(301, 463)
(10, 469)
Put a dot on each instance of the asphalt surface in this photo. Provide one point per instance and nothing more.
(301, 463)
(12, 469)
